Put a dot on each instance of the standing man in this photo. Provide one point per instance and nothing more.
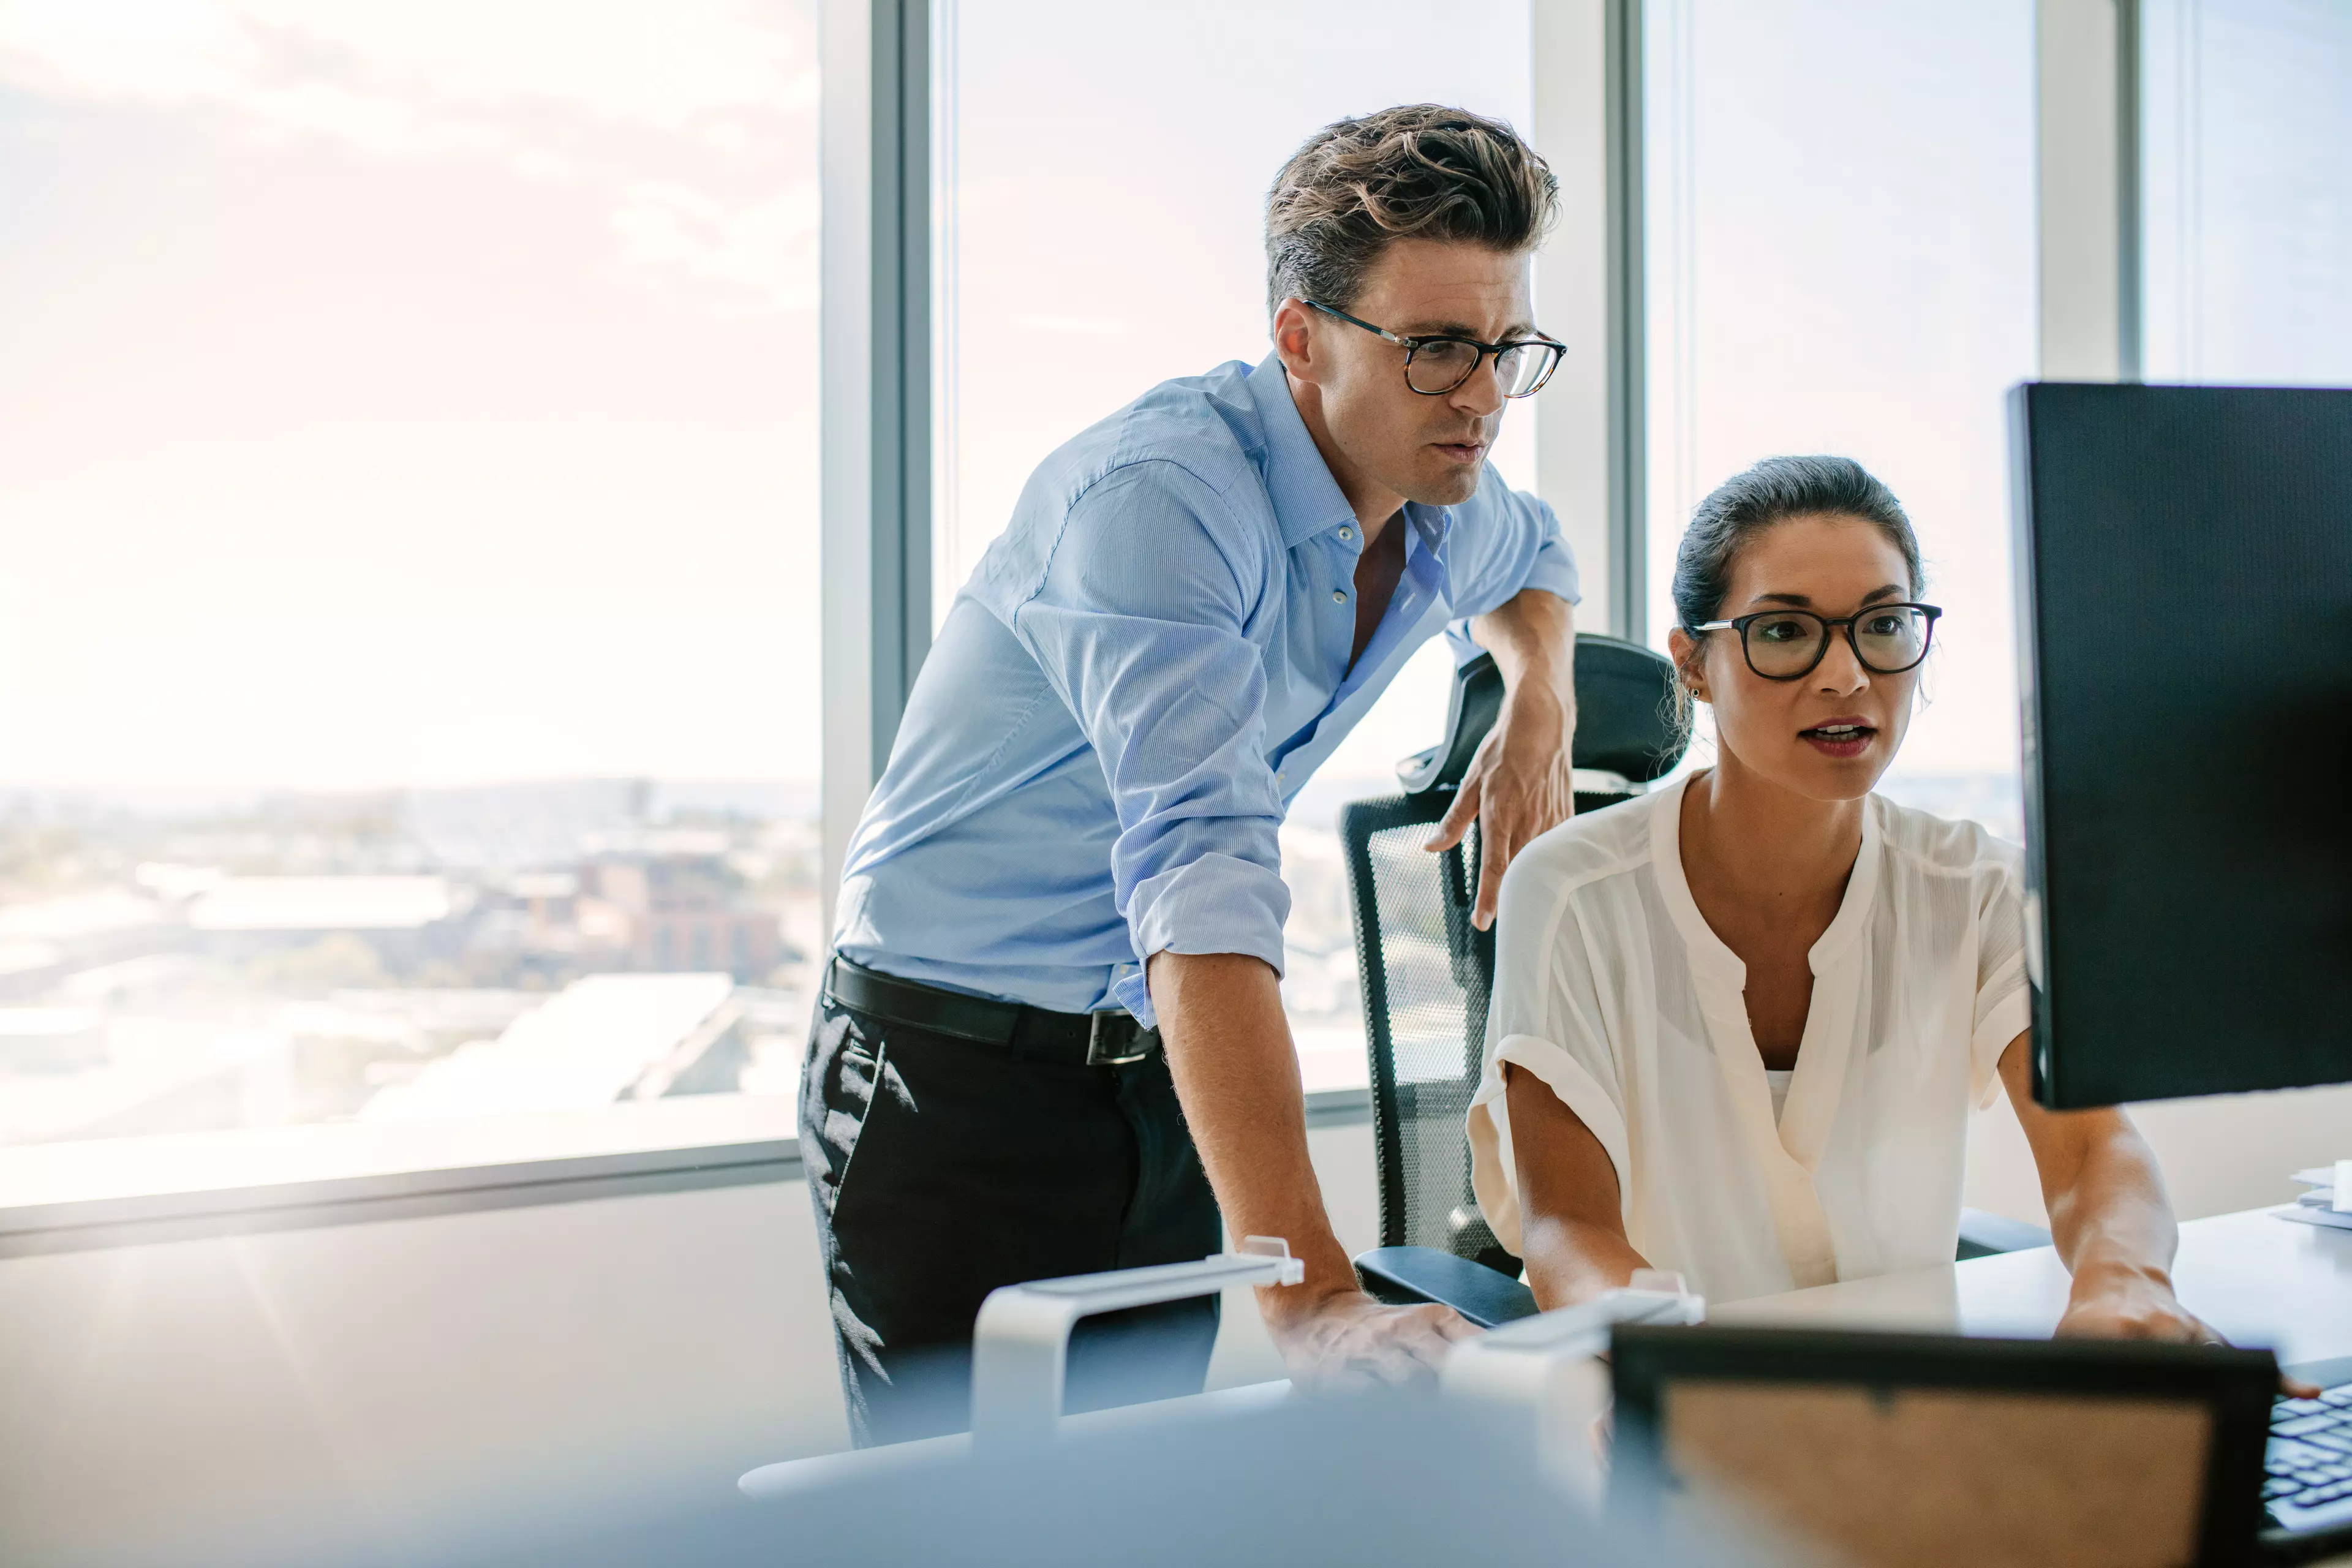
(1052, 1040)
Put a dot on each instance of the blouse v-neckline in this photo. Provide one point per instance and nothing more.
(1789, 1151)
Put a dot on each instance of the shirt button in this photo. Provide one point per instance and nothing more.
(1346, 533)
(1338, 595)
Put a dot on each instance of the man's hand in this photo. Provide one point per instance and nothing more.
(1521, 782)
(1518, 785)
(1348, 1341)
(1237, 1076)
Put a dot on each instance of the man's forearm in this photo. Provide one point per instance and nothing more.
(1533, 638)
(1236, 1076)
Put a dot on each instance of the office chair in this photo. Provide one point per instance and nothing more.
(1425, 972)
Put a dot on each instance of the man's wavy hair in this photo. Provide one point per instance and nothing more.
(1420, 171)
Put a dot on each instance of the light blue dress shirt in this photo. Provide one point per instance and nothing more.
(1128, 694)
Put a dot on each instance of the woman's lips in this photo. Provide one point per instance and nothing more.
(1840, 738)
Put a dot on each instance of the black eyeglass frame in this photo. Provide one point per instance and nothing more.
(1413, 347)
(1829, 626)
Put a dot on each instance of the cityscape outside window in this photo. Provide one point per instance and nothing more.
(408, 628)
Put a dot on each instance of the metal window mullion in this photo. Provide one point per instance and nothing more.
(2130, 225)
(901, 588)
(2090, 241)
(875, 409)
(1628, 336)
(1591, 447)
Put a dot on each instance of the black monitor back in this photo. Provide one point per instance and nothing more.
(2184, 568)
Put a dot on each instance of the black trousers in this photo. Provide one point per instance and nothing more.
(941, 1169)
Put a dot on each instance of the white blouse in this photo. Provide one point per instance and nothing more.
(1613, 989)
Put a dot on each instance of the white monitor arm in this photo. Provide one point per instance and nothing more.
(1020, 1344)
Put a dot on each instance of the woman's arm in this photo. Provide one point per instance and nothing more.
(1570, 1231)
(2108, 1214)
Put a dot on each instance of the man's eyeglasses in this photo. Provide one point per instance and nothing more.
(1789, 644)
(1435, 367)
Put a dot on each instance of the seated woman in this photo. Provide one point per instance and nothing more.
(1738, 1026)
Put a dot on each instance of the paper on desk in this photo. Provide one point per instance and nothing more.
(2337, 1176)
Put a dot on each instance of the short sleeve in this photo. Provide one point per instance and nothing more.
(1547, 1017)
(2004, 1006)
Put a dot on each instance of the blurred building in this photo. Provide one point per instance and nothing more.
(606, 1039)
(406, 920)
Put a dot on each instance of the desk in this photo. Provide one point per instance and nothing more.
(2260, 1279)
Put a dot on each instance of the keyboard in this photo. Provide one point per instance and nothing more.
(2309, 1484)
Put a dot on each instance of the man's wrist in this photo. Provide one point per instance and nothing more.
(1317, 1293)
(1540, 700)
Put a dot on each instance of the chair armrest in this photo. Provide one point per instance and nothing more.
(1402, 1276)
(1983, 1234)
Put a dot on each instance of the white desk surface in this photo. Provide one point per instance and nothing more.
(2260, 1279)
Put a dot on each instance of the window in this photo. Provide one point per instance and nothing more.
(2246, 159)
(1841, 259)
(1104, 236)
(408, 633)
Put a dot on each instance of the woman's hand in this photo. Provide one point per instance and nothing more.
(2118, 1302)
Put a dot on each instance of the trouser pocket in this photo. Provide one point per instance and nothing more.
(847, 1078)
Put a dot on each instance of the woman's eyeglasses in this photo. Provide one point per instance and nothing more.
(1789, 644)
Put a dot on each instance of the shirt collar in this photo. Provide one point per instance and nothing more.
(1432, 524)
(1307, 499)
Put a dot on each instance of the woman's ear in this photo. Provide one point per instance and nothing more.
(1682, 648)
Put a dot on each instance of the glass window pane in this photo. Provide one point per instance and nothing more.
(408, 641)
(2247, 166)
(1841, 231)
(1106, 235)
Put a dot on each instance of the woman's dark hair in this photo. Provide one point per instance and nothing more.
(1773, 492)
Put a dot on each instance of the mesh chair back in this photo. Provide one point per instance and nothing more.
(1425, 970)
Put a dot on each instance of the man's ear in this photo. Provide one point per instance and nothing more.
(1294, 338)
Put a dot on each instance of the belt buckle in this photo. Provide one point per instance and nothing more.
(1102, 1053)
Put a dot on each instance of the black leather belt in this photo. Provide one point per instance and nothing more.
(1093, 1039)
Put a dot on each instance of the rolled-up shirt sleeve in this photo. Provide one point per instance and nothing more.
(1138, 621)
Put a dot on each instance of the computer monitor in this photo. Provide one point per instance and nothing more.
(1909, 1450)
(2184, 584)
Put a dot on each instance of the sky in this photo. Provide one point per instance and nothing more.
(416, 392)
(423, 392)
